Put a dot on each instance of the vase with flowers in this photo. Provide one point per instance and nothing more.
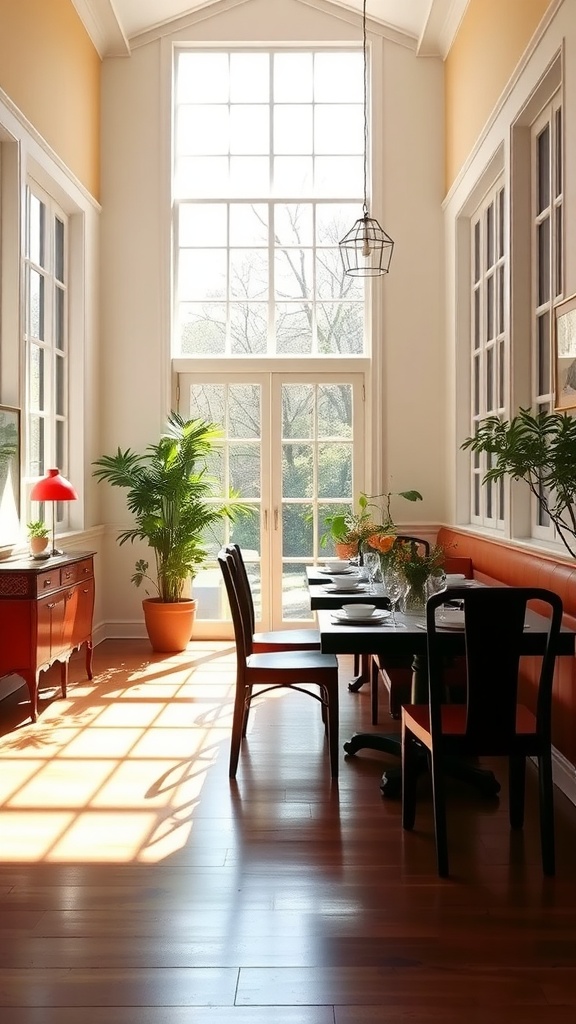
(419, 567)
(370, 527)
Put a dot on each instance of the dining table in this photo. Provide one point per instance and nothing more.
(410, 640)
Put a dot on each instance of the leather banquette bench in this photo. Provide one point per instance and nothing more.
(496, 562)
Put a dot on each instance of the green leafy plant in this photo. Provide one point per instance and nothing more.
(373, 517)
(36, 528)
(173, 499)
(541, 450)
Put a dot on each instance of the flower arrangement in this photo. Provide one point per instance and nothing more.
(372, 525)
(415, 564)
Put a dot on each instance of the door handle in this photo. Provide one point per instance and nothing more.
(266, 520)
(276, 518)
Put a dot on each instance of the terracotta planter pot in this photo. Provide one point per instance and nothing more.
(346, 550)
(169, 626)
(38, 545)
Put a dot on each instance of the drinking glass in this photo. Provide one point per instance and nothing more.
(396, 588)
(371, 564)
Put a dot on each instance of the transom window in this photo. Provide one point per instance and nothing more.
(268, 176)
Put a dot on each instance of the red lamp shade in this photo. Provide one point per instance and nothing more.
(53, 487)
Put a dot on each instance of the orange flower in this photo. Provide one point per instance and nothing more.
(382, 542)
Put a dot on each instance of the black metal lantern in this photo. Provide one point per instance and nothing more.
(366, 249)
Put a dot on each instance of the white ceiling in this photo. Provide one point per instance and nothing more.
(113, 24)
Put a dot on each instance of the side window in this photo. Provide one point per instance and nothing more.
(45, 339)
(547, 261)
(489, 344)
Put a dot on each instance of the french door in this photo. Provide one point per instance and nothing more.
(293, 449)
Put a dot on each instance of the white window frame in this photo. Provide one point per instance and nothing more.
(51, 414)
(489, 346)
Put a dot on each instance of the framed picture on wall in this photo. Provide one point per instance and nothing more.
(9, 476)
(565, 354)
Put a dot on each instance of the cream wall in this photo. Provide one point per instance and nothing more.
(51, 71)
(490, 42)
(408, 324)
(491, 155)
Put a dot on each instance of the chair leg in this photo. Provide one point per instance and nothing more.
(516, 790)
(333, 728)
(374, 680)
(247, 702)
(546, 791)
(439, 805)
(409, 778)
(357, 667)
(238, 729)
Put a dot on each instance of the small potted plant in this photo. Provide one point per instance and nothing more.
(38, 534)
(349, 530)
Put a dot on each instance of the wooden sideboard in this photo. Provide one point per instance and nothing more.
(46, 612)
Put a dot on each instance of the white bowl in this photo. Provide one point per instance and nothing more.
(336, 564)
(359, 611)
(344, 582)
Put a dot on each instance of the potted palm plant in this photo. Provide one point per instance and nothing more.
(38, 535)
(174, 502)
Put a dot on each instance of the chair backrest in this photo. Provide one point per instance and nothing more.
(494, 627)
(423, 546)
(243, 580)
(238, 607)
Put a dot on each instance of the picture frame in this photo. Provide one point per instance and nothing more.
(9, 478)
(564, 354)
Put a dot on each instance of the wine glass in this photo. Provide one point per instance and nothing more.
(396, 588)
(371, 564)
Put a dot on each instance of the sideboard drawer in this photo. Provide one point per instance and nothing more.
(46, 582)
(76, 572)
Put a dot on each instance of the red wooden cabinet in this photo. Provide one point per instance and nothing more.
(46, 612)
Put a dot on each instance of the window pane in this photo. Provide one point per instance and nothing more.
(203, 76)
(203, 129)
(297, 410)
(490, 236)
(344, 122)
(59, 398)
(248, 328)
(490, 308)
(293, 273)
(249, 176)
(249, 77)
(490, 380)
(293, 328)
(244, 461)
(202, 274)
(543, 354)
(543, 261)
(36, 445)
(36, 230)
(335, 471)
(543, 169)
(202, 224)
(293, 224)
(58, 250)
(248, 224)
(558, 158)
(340, 328)
(297, 470)
(338, 176)
(477, 251)
(243, 410)
(338, 77)
(293, 129)
(248, 273)
(202, 328)
(335, 410)
(331, 283)
(249, 129)
(35, 325)
(36, 381)
(59, 323)
(293, 175)
(293, 77)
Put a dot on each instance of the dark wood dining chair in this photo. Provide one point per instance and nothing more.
(275, 639)
(302, 670)
(394, 673)
(492, 722)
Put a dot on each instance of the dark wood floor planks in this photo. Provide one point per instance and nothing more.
(137, 884)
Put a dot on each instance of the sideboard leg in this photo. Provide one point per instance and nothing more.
(89, 651)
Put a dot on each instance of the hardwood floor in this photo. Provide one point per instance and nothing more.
(139, 886)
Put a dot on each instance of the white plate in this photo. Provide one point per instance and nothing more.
(377, 617)
(451, 618)
(354, 588)
(335, 572)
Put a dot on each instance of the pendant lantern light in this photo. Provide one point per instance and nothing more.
(366, 250)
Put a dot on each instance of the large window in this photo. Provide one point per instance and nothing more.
(268, 177)
(547, 250)
(489, 344)
(46, 336)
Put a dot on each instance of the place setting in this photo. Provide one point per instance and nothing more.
(360, 615)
